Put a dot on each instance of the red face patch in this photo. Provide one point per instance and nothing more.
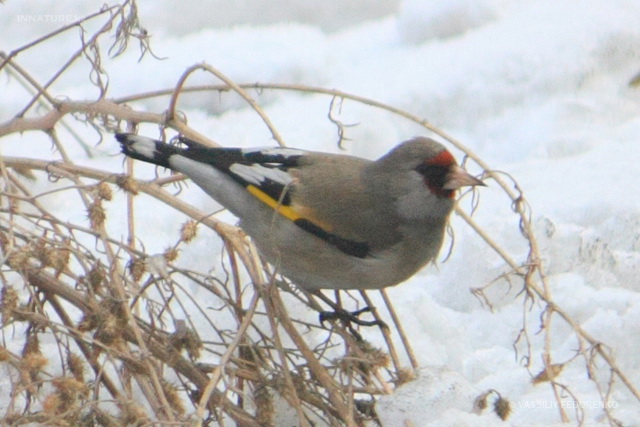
(434, 172)
(443, 159)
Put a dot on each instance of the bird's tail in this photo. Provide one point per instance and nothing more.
(147, 149)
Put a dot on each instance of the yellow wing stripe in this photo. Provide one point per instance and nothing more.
(285, 211)
(357, 249)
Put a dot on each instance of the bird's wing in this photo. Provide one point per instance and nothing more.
(268, 174)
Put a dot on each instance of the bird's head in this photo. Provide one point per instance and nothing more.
(436, 166)
(442, 175)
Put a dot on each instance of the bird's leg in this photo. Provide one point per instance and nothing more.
(347, 317)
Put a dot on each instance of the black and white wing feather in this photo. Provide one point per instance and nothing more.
(265, 173)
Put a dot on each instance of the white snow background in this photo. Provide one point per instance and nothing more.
(537, 89)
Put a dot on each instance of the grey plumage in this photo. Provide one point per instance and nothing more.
(350, 223)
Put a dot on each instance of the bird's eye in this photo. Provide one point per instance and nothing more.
(435, 176)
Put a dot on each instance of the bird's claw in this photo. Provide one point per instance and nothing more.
(349, 317)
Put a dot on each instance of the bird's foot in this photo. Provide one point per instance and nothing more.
(349, 317)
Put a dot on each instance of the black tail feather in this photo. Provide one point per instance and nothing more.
(147, 149)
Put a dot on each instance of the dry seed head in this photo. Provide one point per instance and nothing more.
(176, 339)
(279, 384)
(109, 329)
(8, 303)
(247, 355)
(128, 184)
(111, 321)
(502, 408)
(299, 382)
(32, 345)
(171, 392)
(173, 357)
(39, 250)
(33, 363)
(480, 404)
(76, 366)
(189, 340)
(114, 307)
(188, 231)
(32, 360)
(193, 344)
(62, 403)
(96, 277)
(89, 322)
(263, 400)
(170, 254)
(97, 215)
(132, 414)
(548, 374)
(57, 258)
(28, 379)
(404, 375)
(379, 358)
(19, 259)
(69, 387)
(54, 404)
(4, 354)
(375, 356)
(103, 191)
(345, 364)
(137, 268)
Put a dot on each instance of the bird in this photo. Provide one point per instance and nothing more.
(326, 221)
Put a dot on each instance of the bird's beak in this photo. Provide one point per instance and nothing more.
(458, 177)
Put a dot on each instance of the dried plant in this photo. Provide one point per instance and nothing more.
(127, 343)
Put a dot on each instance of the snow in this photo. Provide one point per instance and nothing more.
(536, 89)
